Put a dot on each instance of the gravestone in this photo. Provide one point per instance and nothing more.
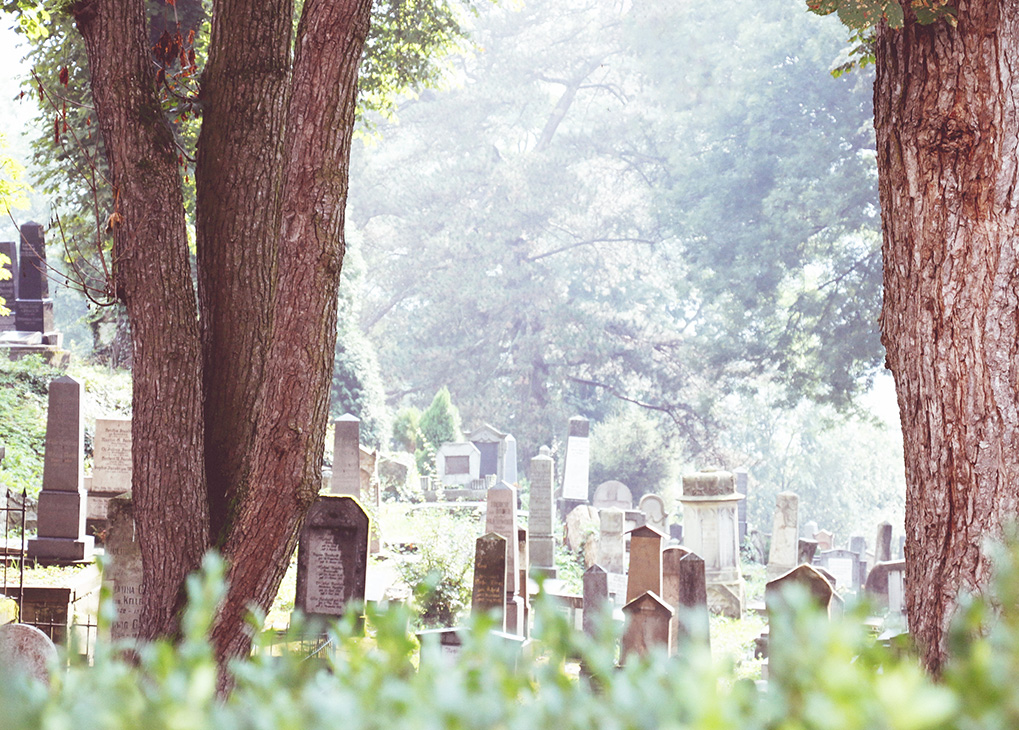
(33, 307)
(612, 494)
(901, 554)
(576, 472)
(61, 513)
(858, 544)
(670, 581)
(489, 592)
(612, 541)
(645, 573)
(347, 457)
(653, 508)
(648, 627)
(124, 571)
(26, 651)
(510, 460)
(495, 449)
(710, 530)
(806, 551)
(332, 557)
(886, 585)
(458, 463)
(582, 524)
(501, 518)
(9, 286)
(825, 540)
(743, 487)
(693, 598)
(785, 535)
(808, 528)
(883, 543)
(111, 468)
(817, 586)
(596, 596)
(539, 519)
(845, 566)
(523, 570)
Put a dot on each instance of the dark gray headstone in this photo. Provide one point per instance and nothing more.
(34, 308)
(807, 550)
(596, 595)
(883, 543)
(332, 557)
(489, 591)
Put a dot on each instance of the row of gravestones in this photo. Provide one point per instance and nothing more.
(29, 328)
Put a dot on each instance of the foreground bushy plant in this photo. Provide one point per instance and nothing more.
(824, 675)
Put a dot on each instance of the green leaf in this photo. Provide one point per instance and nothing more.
(894, 15)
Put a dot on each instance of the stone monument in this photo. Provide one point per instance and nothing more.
(645, 573)
(576, 472)
(501, 518)
(61, 525)
(612, 494)
(332, 557)
(124, 573)
(539, 520)
(653, 508)
(347, 457)
(111, 467)
(785, 535)
(648, 626)
(710, 530)
(488, 594)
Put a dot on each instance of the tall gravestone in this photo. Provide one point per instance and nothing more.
(61, 523)
(612, 542)
(576, 471)
(648, 626)
(501, 518)
(645, 573)
(670, 581)
(693, 598)
(9, 286)
(523, 570)
(785, 535)
(710, 530)
(596, 596)
(124, 572)
(332, 557)
(34, 308)
(347, 457)
(883, 543)
(510, 460)
(539, 520)
(488, 594)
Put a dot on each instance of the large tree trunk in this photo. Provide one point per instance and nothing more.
(947, 132)
(272, 175)
(153, 278)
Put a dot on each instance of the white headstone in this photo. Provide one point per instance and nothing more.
(576, 473)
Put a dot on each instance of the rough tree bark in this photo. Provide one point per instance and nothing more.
(947, 132)
(228, 446)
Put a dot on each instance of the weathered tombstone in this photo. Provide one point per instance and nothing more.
(781, 648)
(61, 524)
(676, 532)
(612, 541)
(510, 459)
(582, 525)
(576, 472)
(501, 518)
(808, 528)
(596, 595)
(347, 457)
(9, 286)
(457, 463)
(33, 307)
(785, 535)
(670, 581)
(645, 573)
(693, 599)
(124, 572)
(825, 539)
(883, 543)
(489, 591)
(539, 519)
(845, 566)
(26, 651)
(612, 494)
(648, 626)
(710, 530)
(653, 507)
(111, 467)
(886, 585)
(523, 570)
(332, 557)
(858, 544)
(743, 487)
(806, 551)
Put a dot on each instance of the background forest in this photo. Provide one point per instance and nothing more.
(657, 217)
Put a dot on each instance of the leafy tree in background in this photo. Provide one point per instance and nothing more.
(629, 447)
(946, 122)
(231, 387)
(439, 424)
(648, 205)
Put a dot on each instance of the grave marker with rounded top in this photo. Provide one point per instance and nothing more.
(332, 557)
(26, 651)
(653, 508)
(612, 494)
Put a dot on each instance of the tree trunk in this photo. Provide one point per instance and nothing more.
(153, 278)
(272, 176)
(947, 131)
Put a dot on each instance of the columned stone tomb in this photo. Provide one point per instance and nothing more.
(710, 530)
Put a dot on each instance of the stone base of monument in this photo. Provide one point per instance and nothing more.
(515, 616)
(726, 599)
(61, 549)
